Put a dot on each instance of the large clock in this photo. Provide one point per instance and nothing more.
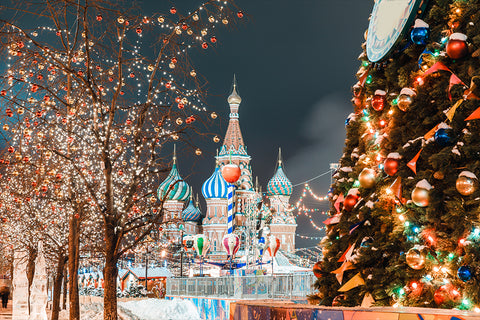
(389, 21)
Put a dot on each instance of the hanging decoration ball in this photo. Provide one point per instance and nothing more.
(350, 202)
(120, 20)
(379, 100)
(338, 300)
(391, 163)
(405, 99)
(446, 293)
(198, 152)
(173, 10)
(317, 269)
(415, 259)
(367, 178)
(420, 32)
(240, 14)
(231, 172)
(457, 46)
(464, 273)
(216, 139)
(466, 183)
(442, 137)
(420, 196)
(213, 115)
(440, 296)
(99, 17)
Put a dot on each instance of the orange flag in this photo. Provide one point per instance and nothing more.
(474, 115)
(346, 254)
(413, 163)
(436, 67)
(356, 281)
(347, 265)
(431, 133)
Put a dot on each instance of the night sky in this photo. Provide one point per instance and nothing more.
(295, 63)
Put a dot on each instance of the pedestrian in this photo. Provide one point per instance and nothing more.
(4, 293)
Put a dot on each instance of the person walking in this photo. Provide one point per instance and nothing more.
(4, 293)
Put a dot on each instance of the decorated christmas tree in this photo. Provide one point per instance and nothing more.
(404, 227)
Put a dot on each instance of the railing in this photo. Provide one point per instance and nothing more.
(244, 287)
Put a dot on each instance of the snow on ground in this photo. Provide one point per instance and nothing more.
(155, 309)
(84, 315)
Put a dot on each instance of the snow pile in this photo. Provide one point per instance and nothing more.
(84, 315)
(156, 309)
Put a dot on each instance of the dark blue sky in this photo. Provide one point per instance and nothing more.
(295, 63)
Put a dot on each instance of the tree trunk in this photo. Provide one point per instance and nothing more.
(32, 255)
(57, 286)
(110, 273)
(65, 283)
(73, 257)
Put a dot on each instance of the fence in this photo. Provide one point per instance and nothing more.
(244, 287)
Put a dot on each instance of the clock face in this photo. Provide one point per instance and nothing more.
(388, 22)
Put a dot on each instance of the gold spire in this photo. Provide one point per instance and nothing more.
(234, 98)
(174, 154)
(279, 157)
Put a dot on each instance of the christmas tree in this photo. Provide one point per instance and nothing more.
(405, 227)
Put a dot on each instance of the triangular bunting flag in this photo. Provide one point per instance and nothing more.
(352, 283)
(346, 265)
(453, 81)
(451, 112)
(474, 115)
(412, 164)
(431, 133)
(338, 201)
(363, 78)
(436, 67)
(347, 254)
(333, 220)
(396, 188)
(367, 301)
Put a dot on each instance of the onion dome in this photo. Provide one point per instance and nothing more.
(234, 98)
(215, 186)
(191, 212)
(173, 187)
(279, 185)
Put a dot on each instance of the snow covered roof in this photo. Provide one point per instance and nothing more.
(139, 273)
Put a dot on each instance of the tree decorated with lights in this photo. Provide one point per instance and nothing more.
(94, 93)
(404, 227)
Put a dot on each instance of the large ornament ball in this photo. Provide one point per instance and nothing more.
(317, 269)
(442, 137)
(466, 185)
(415, 259)
(404, 102)
(456, 49)
(231, 172)
(350, 202)
(367, 178)
(338, 300)
(390, 166)
(378, 102)
(420, 197)
(440, 296)
(464, 273)
(420, 35)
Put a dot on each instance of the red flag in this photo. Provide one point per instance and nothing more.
(436, 67)
(474, 115)
(453, 81)
(348, 252)
(333, 220)
(413, 163)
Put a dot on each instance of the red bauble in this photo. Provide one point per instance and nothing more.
(317, 269)
(204, 45)
(350, 202)
(99, 17)
(240, 14)
(457, 49)
(231, 172)
(173, 10)
(390, 166)
(446, 293)
(378, 102)
(139, 30)
(213, 39)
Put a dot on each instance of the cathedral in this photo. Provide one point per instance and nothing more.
(179, 202)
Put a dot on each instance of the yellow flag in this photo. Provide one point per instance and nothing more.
(451, 112)
(352, 283)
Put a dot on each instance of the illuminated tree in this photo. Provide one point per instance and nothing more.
(104, 89)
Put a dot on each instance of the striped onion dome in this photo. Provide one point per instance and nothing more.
(191, 212)
(279, 185)
(215, 186)
(173, 187)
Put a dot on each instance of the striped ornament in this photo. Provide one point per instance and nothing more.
(231, 243)
(173, 187)
(215, 186)
(231, 213)
(279, 185)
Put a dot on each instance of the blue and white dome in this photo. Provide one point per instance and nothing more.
(215, 186)
(191, 213)
(173, 187)
(279, 185)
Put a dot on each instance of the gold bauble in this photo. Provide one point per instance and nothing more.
(175, 136)
(404, 101)
(195, 17)
(211, 19)
(466, 185)
(189, 32)
(193, 73)
(161, 19)
(216, 139)
(198, 152)
(367, 178)
(213, 115)
(415, 259)
(178, 31)
(225, 21)
(179, 121)
(204, 32)
(120, 20)
(171, 65)
(5, 127)
(420, 197)
(150, 67)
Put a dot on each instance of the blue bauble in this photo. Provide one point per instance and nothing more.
(420, 35)
(366, 242)
(442, 137)
(347, 121)
(464, 273)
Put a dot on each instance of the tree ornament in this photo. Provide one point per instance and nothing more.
(350, 202)
(216, 139)
(466, 183)
(120, 20)
(405, 99)
(367, 178)
(99, 17)
(457, 46)
(391, 163)
(379, 100)
(161, 19)
(442, 136)
(338, 300)
(415, 259)
(213, 39)
(173, 10)
(204, 45)
(195, 17)
(231, 172)
(317, 269)
(213, 115)
(420, 194)
(225, 21)
(446, 293)
(198, 152)
(420, 32)
(240, 14)
(464, 273)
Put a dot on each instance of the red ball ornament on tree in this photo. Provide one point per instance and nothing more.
(240, 14)
(317, 269)
(457, 47)
(99, 17)
(390, 166)
(231, 172)
(173, 10)
(379, 100)
(350, 202)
